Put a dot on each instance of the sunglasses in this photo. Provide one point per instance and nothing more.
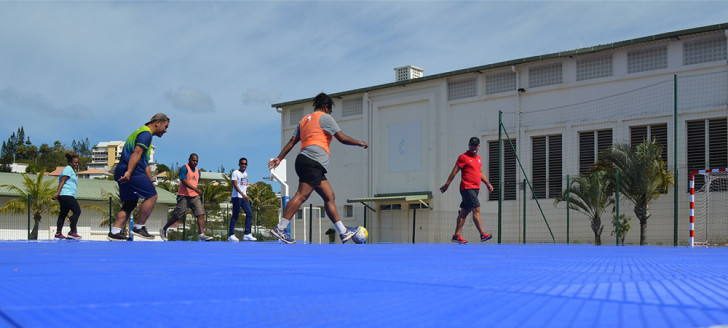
(242, 163)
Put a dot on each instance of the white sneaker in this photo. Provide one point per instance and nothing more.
(249, 237)
(233, 238)
(163, 234)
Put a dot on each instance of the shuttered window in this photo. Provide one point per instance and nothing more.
(657, 132)
(509, 170)
(707, 146)
(546, 162)
(591, 143)
(555, 166)
(717, 144)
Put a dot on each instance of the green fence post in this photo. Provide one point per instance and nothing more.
(524, 211)
(111, 216)
(500, 172)
(568, 200)
(414, 223)
(617, 208)
(29, 217)
(675, 143)
(184, 227)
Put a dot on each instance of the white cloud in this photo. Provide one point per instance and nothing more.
(190, 100)
(35, 102)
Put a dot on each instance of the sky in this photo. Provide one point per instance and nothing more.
(100, 69)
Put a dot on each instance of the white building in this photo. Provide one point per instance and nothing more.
(107, 154)
(18, 167)
(559, 108)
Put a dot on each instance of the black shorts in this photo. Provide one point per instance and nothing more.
(309, 171)
(470, 198)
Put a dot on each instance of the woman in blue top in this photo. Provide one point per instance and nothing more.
(66, 195)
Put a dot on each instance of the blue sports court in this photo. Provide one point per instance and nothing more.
(183, 284)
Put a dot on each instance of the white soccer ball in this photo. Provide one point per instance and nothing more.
(361, 235)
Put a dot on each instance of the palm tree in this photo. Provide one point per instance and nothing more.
(41, 199)
(215, 193)
(116, 204)
(643, 176)
(263, 199)
(590, 195)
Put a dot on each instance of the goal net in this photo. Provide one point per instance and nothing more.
(709, 207)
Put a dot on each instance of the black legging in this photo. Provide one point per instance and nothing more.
(68, 203)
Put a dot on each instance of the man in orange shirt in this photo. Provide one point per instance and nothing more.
(188, 196)
(315, 132)
(471, 177)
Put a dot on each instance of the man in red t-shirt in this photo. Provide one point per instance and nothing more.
(469, 162)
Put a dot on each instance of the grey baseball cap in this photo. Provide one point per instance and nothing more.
(158, 117)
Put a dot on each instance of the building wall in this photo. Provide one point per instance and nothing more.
(416, 132)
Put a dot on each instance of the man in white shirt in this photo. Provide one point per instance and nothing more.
(240, 200)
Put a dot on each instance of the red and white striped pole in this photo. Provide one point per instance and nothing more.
(692, 200)
(692, 208)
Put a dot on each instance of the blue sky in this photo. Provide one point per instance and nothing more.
(99, 70)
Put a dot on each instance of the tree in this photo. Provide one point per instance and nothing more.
(116, 204)
(41, 199)
(590, 195)
(643, 176)
(51, 156)
(82, 147)
(215, 193)
(264, 201)
(624, 226)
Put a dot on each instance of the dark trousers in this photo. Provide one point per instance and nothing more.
(239, 203)
(68, 203)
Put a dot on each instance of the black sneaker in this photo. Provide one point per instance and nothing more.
(142, 232)
(116, 237)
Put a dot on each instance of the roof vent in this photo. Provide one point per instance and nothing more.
(407, 73)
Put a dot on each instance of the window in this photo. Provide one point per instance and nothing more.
(390, 207)
(299, 214)
(352, 107)
(417, 206)
(544, 75)
(707, 146)
(591, 143)
(509, 170)
(546, 162)
(295, 116)
(348, 211)
(461, 89)
(593, 67)
(703, 51)
(647, 59)
(500, 82)
(658, 132)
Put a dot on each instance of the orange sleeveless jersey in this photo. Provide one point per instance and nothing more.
(311, 132)
(192, 178)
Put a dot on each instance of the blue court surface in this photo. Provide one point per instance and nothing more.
(191, 284)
